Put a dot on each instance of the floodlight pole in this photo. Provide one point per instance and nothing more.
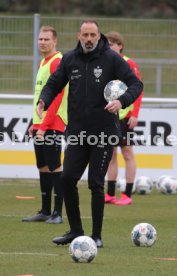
(35, 47)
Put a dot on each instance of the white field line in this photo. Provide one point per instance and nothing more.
(28, 253)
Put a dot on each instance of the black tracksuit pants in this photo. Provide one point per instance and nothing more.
(77, 157)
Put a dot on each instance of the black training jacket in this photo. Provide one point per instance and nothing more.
(87, 75)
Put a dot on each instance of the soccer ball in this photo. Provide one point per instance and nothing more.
(159, 181)
(83, 249)
(114, 89)
(121, 185)
(168, 185)
(143, 234)
(143, 185)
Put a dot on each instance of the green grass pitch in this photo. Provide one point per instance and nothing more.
(27, 248)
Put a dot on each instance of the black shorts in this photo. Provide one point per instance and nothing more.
(127, 134)
(48, 152)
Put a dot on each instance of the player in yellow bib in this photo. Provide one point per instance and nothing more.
(47, 132)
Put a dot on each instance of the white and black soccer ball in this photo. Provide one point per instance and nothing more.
(144, 185)
(83, 249)
(121, 185)
(160, 180)
(114, 89)
(168, 185)
(143, 234)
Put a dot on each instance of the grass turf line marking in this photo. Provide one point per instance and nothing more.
(28, 253)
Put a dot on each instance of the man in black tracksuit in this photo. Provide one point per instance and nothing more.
(92, 122)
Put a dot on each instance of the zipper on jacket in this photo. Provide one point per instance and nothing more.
(86, 79)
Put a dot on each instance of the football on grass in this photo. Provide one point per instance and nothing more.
(114, 89)
(143, 185)
(143, 234)
(160, 180)
(168, 185)
(83, 249)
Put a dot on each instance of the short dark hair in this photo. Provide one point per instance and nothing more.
(93, 21)
(49, 29)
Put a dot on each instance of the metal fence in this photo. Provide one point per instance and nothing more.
(152, 43)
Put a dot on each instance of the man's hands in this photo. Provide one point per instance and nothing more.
(40, 134)
(113, 106)
(132, 122)
(40, 108)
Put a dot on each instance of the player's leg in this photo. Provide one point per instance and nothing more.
(130, 164)
(75, 162)
(53, 160)
(114, 166)
(112, 178)
(98, 165)
(130, 168)
(46, 184)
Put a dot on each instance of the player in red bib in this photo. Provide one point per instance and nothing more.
(128, 122)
